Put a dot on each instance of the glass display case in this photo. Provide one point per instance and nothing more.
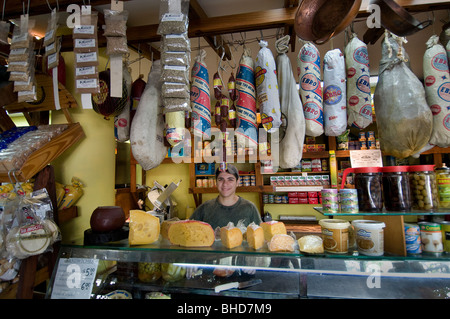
(130, 272)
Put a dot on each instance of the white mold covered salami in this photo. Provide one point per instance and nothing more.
(437, 90)
(291, 146)
(147, 128)
(334, 93)
(267, 88)
(308, 69)
(359, 101)
(246, 133)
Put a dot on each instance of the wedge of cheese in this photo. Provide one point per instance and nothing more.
(255, 236)
(144, 228)
(281, 242)
(272, 228)
(191, 233)
(165, 225)
(231, 236)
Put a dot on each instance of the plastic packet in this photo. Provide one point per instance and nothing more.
(22, 37)
(116, 45)
(175, 58)
(84, 72)
(172, 104)
(177, 74)
(73, 192)
(27, 96)
(175, 90)
(50, 33)
(4, 32)
(87, 27)
(173, 17)
(115, 23)
(52, 60)
(176, 43)
(85, 45)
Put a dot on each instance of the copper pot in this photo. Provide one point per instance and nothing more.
(397, 20)
(320, 20)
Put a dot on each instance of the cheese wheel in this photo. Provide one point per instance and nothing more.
(165, 225)
(312, 244)
(272, 228)
(231, 236)
(281, 242)
(191, 233)
(144, 228)
(255, 236)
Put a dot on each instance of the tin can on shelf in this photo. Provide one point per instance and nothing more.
(412, 239)
(431, 238)
(330, 200)
(348, 199)
(445, 229)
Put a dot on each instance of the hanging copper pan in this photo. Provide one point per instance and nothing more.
(320, 20)
(397, 20)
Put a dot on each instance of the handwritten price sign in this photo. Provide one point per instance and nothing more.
(74, 278)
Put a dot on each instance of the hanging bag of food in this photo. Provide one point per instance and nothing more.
(437, 90)
(310, 90)
(246, 133)
(359, 101)
(267, 88)
(404, 120)
(291, 144)
(147, 128)
(334, 93)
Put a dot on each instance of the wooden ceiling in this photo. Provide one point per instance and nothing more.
(210, 28)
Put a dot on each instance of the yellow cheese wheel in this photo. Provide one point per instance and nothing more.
(255, 236)
(281, 242)
(144, 228)
(272, 228)
(191, 233)
(231, 236)
(165, 227)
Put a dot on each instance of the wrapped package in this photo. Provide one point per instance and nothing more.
(147, 127)
(359, 101)
(310, 90)
(246, 133)
(73, 192)
(174, 127)
(291, 145)
(122, 121)
(334, 93)
(200, 97)
(437, 88)
(267, 88)
(404, 120)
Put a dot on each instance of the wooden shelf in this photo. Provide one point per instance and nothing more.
(46, 154)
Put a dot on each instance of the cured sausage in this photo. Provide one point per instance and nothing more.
(122, 121)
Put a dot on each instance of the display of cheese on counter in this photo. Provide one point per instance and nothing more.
(272, 228)
(312, 244)
(144, 228)
(165, 225)
(231, 236)
(191, 233)
(255, 236)
(281, 242)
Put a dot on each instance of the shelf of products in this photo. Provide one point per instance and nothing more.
(439, 212)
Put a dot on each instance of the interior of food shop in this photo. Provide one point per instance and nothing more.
(120, 117)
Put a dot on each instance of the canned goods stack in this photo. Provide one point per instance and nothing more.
(330, 200)
(348, 198)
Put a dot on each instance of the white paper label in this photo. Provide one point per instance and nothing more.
(86, 57)
(74, 278)
(86, 70)
(366, 158)
(87, 83)
(84, 43)
(84, 29)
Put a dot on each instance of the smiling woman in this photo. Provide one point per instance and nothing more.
(227, 206)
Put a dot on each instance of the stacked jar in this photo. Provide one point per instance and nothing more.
(396, 189)
(424, 191)
(369, 187)
(443, 184)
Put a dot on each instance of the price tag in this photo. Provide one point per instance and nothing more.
(366, 158)
(74, 278)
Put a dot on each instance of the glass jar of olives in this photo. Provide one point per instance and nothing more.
(369, 188)
(396, 189)
(443, 184)
(424, 191)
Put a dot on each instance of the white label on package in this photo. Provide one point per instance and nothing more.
(52, 58)
(74, 278)
(86, 70)
(84, 29)
(84, 43)
(86, 57)
(87, 83)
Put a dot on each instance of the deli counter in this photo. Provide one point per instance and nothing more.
(159, 270)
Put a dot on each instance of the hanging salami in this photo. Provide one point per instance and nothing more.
(200, 97)
(246, 133)
(308, 69)
(359, 102)
(437, 88)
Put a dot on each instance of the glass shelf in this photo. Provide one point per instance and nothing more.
(438, 212)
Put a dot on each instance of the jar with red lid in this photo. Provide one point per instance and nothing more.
(369, 187)
(424, 190)
(396, 189)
